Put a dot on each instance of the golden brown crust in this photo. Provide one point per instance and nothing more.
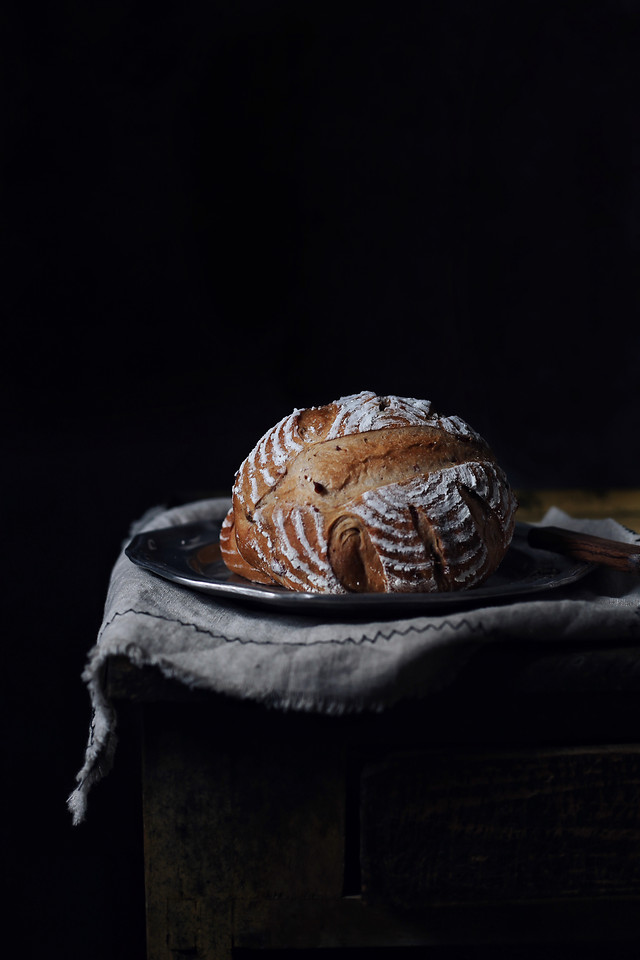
(369, 494)
(232, 556)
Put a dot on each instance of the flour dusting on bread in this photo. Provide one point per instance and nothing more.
(410, 501)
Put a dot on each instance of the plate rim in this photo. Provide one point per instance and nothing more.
(277, 596)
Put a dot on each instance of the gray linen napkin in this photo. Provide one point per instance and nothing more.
(300, 663)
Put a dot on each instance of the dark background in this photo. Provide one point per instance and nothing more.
(214, 212)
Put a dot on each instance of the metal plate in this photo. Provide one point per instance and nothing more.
(189, 554)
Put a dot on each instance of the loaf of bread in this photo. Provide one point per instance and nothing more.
(369, 494)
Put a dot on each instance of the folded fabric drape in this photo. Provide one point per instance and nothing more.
(298, 662)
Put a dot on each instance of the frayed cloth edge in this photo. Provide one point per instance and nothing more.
(102, 740)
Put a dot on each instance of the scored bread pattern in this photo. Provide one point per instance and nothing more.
(408, 522)
(272, 453)
(304, 561)
(389, 512)
(366, 411)
(353, 414)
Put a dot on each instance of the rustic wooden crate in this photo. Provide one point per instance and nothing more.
(264, 831)
(502, 811)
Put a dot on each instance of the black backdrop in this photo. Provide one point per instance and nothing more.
(214, 212)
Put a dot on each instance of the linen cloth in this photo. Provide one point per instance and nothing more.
(296, 662)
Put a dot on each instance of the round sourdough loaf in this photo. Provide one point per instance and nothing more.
(369, 494)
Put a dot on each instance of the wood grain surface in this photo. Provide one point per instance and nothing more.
(622, 505)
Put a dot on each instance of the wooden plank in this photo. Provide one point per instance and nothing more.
(229, 817)
(350, 922)
(622, 505)
(515, 824)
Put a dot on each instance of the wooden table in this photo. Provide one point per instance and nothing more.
(504, 811)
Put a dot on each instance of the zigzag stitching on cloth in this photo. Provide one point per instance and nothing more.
(380, 634)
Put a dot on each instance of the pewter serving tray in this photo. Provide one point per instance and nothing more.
(189, 554)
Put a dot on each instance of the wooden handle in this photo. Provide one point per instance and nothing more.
(584, 546)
